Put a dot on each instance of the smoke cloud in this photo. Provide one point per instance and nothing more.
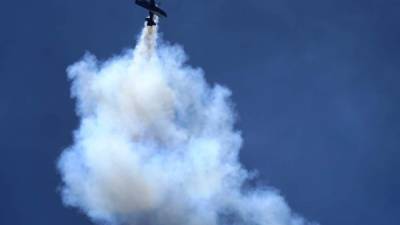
(156, 145)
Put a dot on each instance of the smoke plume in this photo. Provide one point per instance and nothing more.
(156, 145)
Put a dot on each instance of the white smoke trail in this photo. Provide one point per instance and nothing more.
(156, 145)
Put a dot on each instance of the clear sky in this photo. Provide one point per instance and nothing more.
(315, 83)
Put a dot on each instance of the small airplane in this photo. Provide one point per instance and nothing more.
(153, 10)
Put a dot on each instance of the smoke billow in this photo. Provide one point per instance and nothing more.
(156, 145)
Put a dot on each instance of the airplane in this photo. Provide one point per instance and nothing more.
(153, 10)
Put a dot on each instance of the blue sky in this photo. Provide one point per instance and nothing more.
(315, 86)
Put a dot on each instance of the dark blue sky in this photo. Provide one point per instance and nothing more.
(316, 87)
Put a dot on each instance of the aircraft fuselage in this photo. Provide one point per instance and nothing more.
(153, 9)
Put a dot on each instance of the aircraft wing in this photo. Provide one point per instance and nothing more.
(159, 12)
(145, 4)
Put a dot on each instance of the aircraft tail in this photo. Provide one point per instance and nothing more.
(150, 22)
